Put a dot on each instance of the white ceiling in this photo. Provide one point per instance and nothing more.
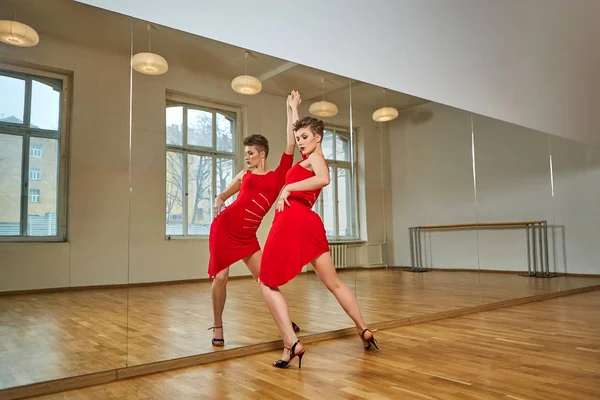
(89, 26)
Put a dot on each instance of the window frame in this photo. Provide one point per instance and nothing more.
(35, 173)
(27, 133)
(334, 165)
(33, 152)
(38, 194)
(190, 102)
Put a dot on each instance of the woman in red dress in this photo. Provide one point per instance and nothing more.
(233, 231)
(298, 237)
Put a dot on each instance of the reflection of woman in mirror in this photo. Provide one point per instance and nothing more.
(298, 237)
(233, 231)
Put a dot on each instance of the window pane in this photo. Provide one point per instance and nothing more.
(45, 106)
(342, 148)
(11, 155)
(12, 101)
(225, 174)
(35, 173)
(43, 194)
(329, 208)
(344, 187)
(34, 195)
(200, 197)
(175, 125)
(225, 133)
(327, 145)
(36, 150)
(175, 190)
(200, 128)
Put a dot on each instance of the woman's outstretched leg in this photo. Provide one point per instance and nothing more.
(219, 296)
(325, 270)
(278, 307)
(253, 264)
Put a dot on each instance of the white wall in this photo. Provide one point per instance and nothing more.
(530, 62)
(576, 200)
(375, 199)
(98, 252)
(432, 183)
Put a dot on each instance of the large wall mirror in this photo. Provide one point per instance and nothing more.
(64, 123)
(189, 125)
(418, 180)
(116, 134)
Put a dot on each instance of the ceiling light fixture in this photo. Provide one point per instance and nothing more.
(18, 34)
(246, 84)
(323, 108)
(149, 63)
(385, 113)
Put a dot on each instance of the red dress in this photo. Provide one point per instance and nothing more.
(297, 235)
(233, 232)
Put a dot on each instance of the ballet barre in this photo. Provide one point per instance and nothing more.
(537, 243)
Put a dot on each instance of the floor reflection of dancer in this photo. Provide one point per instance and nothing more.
(233, 231)
(298, 237)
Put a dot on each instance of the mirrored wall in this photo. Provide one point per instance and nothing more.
(64, 217)
(533, 192)
(108, 179)
(514, 208)
(189, 123)
(418, 184)
(470, 210)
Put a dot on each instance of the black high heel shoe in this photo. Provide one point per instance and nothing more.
(296, 327)
(369, 342)
(216, 341)
(285, 364)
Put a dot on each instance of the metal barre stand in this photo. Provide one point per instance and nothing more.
(537, 245)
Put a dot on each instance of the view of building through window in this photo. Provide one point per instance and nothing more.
(30, 116)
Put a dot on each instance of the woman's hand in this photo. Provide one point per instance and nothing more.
(218, 205)
(295, 99)
(283, 200)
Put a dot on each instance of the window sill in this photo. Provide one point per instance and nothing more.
(347, 241)
(23, 240)
(170, 238)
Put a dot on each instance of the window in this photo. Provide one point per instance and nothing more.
(34, 195)
(35, 173)
(200, 157)
(335, 205)
(35, 151)
(32, 133)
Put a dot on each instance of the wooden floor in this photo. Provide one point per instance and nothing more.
(543, 350)
(56, 335)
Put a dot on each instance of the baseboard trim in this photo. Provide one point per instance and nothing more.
(579, 275)
(197, 280)
(494, 271)
(100, 378)
(59, 385)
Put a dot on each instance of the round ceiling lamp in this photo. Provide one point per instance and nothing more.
(149, 64)
(246, 84)
(323, 109)
(385, 114)
(18, 34)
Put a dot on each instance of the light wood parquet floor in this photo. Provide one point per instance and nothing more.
(538, 351)
(48, 336)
